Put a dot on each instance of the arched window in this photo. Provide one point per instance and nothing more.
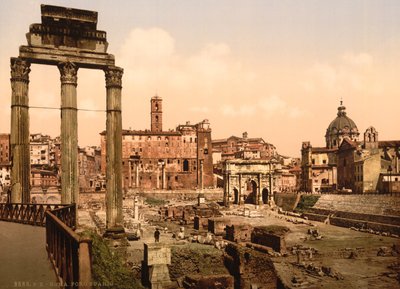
(185, 165)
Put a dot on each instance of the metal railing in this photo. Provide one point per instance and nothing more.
(69, 253)
(32, 214)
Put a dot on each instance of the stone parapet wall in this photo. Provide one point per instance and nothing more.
(209, 194)
(366, 203)
(315, 217)
(287, 202)
(379, 227)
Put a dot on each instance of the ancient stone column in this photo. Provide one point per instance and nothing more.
(163, 176)
(158, 177)
(69, 133)
(201, 174)
(19, 138)
(259, 195)
(114, 216)
(130, 173)
(137, 174)
(240, 190)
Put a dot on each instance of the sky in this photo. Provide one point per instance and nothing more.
(275, 69)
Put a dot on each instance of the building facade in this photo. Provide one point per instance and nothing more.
(369, 166)
(180, 158)
(319, 164)
(242, 148)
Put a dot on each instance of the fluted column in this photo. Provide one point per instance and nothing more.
(19, 138)
(114, 151)
(69, 133)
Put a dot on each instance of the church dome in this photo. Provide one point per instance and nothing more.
(341, 127)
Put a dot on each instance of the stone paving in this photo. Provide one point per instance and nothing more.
(23, 257)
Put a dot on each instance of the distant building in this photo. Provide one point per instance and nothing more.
(89, 160)
(5, 161)
(242, 148)
(349, 165)
(369, 165)
(159, 159)
(319, 164)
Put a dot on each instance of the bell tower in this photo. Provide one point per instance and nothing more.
(156, 113)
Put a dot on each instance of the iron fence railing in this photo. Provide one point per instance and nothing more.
(32, 214)
(69, 253)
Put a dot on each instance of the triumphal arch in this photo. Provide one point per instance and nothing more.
(249, 181)
(69, 39)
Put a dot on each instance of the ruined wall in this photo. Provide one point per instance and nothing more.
(250, 268)
(238, 233)
(263, 236)
(209, 194)
(287, 202)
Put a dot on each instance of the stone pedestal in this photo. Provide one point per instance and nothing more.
(156, 258)
(19, 138)
(114, 151)
(69, 133)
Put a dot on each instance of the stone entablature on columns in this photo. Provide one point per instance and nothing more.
(19, 138)
(69, 133)
(114, 224)
(239, 172)
(53, 42)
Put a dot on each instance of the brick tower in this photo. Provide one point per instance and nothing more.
(156, 113)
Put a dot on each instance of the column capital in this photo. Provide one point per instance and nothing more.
(20, 70)
(69, 73)
(113, 76)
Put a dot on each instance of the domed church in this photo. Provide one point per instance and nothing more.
(340, 128)
(349, 165)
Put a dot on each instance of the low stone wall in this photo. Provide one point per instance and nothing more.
(250, 268)
(391, 220)
(286, 201)
(381, 223)
(210, 282)
(200, 223)
(209, 194)
(217, 225)
(315, 217)
(263, 237)
(379, 227)
(238, 233)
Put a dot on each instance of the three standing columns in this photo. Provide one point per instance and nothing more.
(69, 133)
(114, 222)
(19, 136)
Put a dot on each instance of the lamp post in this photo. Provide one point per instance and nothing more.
(389, 169)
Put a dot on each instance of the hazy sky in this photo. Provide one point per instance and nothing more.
(276, 69)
